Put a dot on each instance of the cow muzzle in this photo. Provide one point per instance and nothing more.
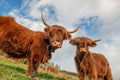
(56, 44)
(83, 50)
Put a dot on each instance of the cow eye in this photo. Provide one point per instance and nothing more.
(81, 44)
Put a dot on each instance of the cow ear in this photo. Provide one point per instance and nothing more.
(46, 29)
(67, 36)
(73, 42)
(93, 44)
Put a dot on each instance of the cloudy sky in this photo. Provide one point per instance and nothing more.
(99, 19)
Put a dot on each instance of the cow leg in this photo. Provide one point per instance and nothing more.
(33, 64)
(77, 64)
(93, 77)
(81, 75)
(93, 74)
(36, 65)
(30, 67)
(100, 78)
(36, 62)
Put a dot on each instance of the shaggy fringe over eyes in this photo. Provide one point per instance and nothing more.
(51, 30)
(80, 40)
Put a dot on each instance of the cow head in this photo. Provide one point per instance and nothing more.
(56, 34)
(83, 43)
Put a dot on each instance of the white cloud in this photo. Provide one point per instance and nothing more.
(109, 8)
(29, 23)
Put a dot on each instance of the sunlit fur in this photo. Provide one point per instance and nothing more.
(94, 65)
(20, 42)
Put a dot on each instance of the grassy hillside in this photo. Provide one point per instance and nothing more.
(10, 70)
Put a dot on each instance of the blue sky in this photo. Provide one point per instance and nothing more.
(88, 23)
(99, 19)
(6, 6)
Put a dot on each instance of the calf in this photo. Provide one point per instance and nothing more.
(95, 66)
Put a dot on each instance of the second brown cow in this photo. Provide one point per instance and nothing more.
(94, 65)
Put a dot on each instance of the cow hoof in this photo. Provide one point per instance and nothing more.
(36, 78)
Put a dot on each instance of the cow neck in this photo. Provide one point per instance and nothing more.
(48, 49)
(82, 55)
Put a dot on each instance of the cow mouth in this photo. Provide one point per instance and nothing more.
(51, 49)
(82, 52)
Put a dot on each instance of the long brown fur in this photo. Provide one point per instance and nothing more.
(94, 65)
(20, 42)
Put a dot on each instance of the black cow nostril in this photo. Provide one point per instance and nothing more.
(55, 42)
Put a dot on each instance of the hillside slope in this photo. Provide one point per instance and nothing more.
(11, 70)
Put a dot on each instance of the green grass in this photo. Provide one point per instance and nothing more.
(10, 70)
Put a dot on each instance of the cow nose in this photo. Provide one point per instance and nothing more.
(82, 50)
(57, 44)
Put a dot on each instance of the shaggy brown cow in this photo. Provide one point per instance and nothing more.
(20, 42)
(94, 65)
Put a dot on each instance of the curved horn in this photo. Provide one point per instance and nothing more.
(43, 20)
(97, 40)
(74, 30)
